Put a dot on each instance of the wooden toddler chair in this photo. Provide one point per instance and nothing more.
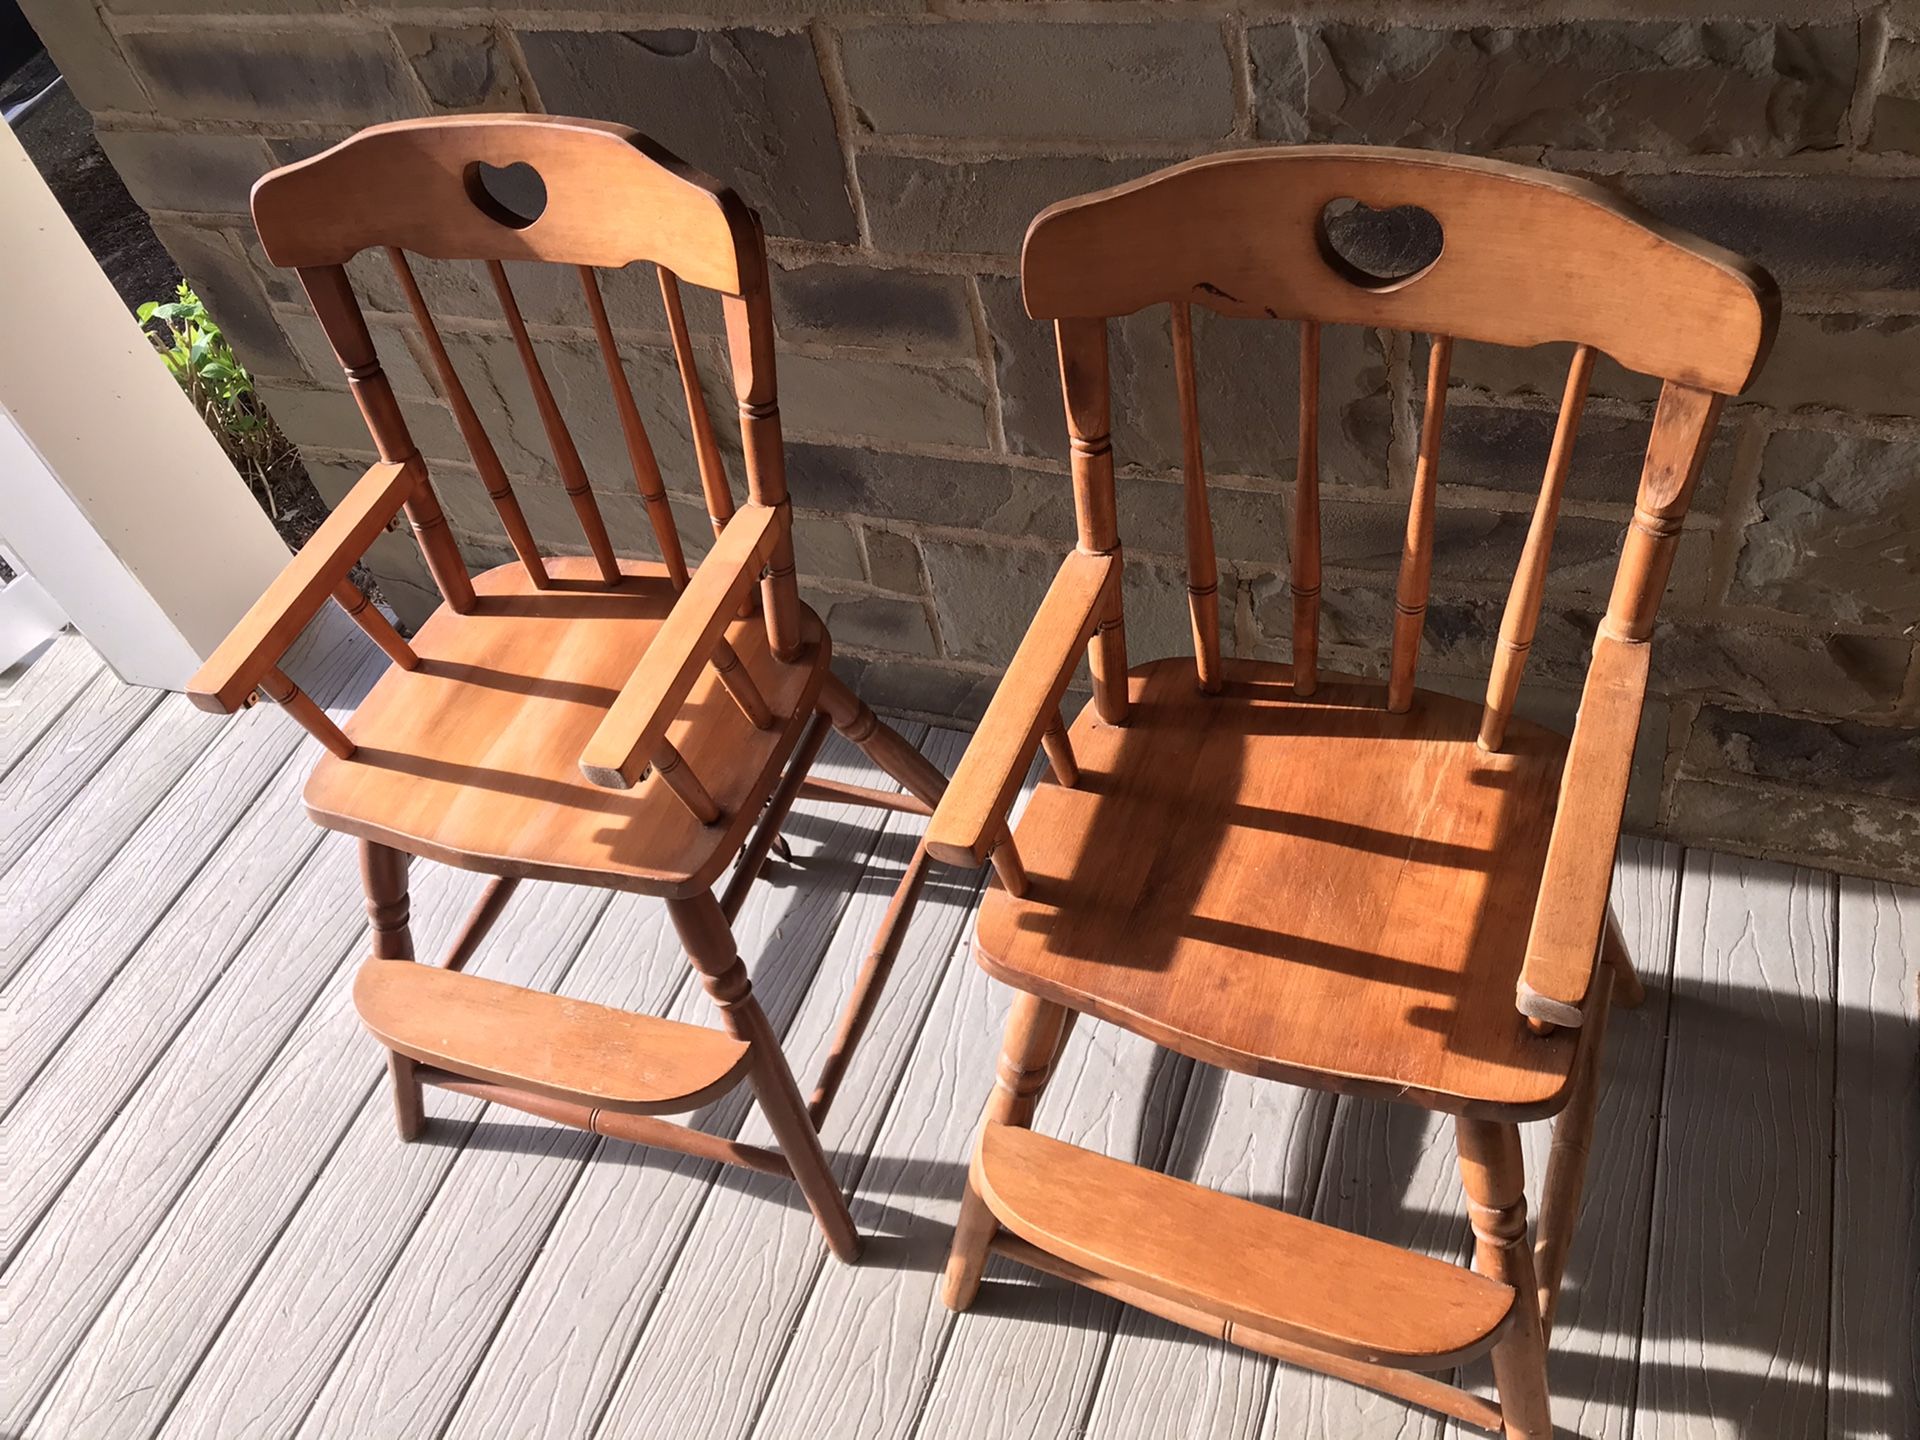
(1361, 887)
(693, 706)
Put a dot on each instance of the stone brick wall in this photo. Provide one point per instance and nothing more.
(896, 151)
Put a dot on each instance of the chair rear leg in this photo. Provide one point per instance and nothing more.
(869, 983)
(1494, 1174)
(383, 874)
(1566, 1174)
(881, 743)
(1628, 992)
(709, 941)
(1036, 1031)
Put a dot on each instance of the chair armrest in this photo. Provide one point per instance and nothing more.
(637, 721)
(254, 645)
(972, 815)
(1571, 911)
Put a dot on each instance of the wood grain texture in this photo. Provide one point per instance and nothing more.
(1390, 1175)
(473, 759)
(545, 1044)
(254, 646)
(1246, 1137)
(1530, 256)
(1410, 854)
(971, 816)
(1874, 1378)
(1249, 1263)
(56, 768)
(677, 654)
(80, 1077)
(1736, 1328)
(612, 197)
(35, 696)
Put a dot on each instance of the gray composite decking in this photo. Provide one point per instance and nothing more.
(210, 1228)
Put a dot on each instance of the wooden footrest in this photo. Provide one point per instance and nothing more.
(546, 1044)
(1322, 1288)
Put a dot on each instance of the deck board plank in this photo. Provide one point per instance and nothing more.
(343, 1239)
(114, 862)
(705, 1359)
(553, 1372)
(1736, 1310)
(1874, 1384)
(79, 741)
(40, 693)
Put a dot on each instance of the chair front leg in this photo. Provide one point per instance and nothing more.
(1494, 1174)
(709, 941)
(383, 874)
(1036, 1031)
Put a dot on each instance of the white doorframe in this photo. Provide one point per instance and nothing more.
(113, 493)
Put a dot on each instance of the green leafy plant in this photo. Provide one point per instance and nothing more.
(198, 356)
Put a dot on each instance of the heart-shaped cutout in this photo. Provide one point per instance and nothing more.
(1378, 249)
(511, 195)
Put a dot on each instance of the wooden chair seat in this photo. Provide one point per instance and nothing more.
(1314, 890)
(545, 1044)
(1275, 1273)
(473, 757)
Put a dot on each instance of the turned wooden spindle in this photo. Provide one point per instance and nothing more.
(1203, 569)
(1085, 385)
(1304, 582)
(1416, 554)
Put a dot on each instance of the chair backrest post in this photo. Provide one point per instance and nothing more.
(750, 347)
(331, 295)
(1683, 426)
(1085, 384)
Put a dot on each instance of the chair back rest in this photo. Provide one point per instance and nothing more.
(612, 198)
(1525, 257)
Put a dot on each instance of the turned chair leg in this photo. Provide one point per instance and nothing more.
(383, 874)
(1628, 992)
(709, 941)
(880, 742)
(1036, 1031)
(1495, 1178)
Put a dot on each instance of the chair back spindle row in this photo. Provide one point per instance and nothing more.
(1525, 258)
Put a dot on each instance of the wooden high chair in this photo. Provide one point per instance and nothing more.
(596, 720)
(1361, 887)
